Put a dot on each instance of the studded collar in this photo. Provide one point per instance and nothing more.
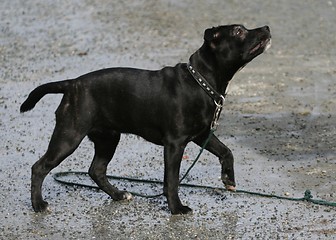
(218, 98)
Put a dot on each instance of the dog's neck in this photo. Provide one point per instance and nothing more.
(218, 76)
(203, 83)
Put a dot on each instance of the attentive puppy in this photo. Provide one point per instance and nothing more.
(168, 107)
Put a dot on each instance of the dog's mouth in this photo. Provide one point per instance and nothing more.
(262, 46)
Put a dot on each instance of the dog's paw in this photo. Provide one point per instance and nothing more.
(230, 188)
(41, 206)
(122, 195)
(181, 210)
(127, 196)
(229, 184)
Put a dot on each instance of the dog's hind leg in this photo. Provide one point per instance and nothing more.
(105, 145)
(63, 142)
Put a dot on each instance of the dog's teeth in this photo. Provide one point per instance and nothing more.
(268, 45)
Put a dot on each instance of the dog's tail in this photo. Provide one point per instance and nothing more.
(40, 91)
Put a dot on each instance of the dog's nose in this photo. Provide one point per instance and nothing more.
(266, 28)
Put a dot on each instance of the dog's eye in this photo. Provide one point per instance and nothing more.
(237, 31)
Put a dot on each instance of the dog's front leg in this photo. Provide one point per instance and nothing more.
(216, 147)
(172, 158)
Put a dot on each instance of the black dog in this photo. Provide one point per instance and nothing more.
(166, 107)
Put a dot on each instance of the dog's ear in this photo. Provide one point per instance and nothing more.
(212, 36)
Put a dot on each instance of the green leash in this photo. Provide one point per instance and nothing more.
(307, 195)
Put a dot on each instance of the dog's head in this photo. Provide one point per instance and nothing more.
(235, 45)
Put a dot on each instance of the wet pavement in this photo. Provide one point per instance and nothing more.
(279, 119)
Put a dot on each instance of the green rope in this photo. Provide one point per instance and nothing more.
(307, 195)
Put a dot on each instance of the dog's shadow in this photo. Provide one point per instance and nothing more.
(289, 136)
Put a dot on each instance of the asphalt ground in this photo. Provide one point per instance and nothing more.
(279, 119)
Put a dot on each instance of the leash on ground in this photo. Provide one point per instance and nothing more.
(59, 177)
